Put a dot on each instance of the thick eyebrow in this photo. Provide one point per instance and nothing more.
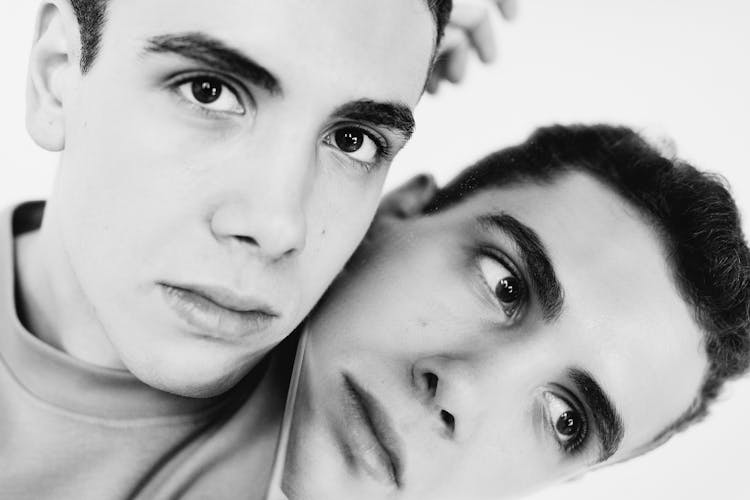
(392, 115)
(606, 418)
(214, 53)
(536, 261)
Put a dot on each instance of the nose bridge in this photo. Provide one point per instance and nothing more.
(269, 188)
(286, 164)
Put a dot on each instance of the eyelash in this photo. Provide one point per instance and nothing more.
(574, 446)
(494, 254)
(383, 153)
(243, 96)
(383, 147)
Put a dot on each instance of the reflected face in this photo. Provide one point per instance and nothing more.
(220, 167)
(521, 337)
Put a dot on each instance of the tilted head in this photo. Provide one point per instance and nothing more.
(559, 306)
(692, 211)
(220, 163)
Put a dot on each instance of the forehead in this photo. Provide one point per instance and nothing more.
(623, 319)
(356, 41)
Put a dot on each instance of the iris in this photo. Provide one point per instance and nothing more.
(349, 139)
(569, 423)
(508, 290)
(207, 90)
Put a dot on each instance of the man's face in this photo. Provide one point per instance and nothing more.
(221, 163)
(444, 364)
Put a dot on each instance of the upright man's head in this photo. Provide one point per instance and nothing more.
(560, 305)
(220, 162)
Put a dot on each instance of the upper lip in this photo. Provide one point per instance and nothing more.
(381, 425)
(227, 298)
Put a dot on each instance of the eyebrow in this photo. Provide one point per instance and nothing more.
(541, 273)
(212, 52)
(393, 115)
(606, 418)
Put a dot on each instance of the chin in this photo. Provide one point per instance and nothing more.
(200, 388)
(194, 377)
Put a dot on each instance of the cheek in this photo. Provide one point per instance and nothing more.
(132, 140)
(504, 463)
(125, 172)
(338, 215)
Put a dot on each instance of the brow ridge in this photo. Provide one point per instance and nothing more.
(205, 49)
(610, 427)
(393, 115)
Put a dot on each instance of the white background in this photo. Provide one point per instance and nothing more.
(678, 67)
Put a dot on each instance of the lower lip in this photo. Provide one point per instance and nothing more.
(212, 320)
(363, 445)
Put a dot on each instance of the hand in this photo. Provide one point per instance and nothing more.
(469, 29)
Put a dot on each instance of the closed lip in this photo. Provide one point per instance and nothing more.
(377, 420)
(218, 311)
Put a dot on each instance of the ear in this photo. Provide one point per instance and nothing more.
(52, 66)
(410, 199)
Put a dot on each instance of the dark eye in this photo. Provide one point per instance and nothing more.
(569, 424)
(349, 140)
(207, 90)
(506, 287)
(212, 94)
(355, 143)
(508, 290)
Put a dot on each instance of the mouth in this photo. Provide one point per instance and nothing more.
(218, 312)
(373, 442)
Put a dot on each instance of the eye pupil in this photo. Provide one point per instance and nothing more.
(349, 140)
(508, 290)
(569, 423)
(206, 90)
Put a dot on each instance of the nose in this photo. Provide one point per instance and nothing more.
(264, 210)
(450, 390)
(272, 232)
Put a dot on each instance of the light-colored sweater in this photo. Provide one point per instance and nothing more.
(72, 430)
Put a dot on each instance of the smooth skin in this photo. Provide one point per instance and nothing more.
(197, 195)
(486, 393)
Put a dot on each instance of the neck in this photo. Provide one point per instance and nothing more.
(50, 301)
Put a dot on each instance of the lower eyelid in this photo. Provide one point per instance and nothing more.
(346, 162)
(208, 112)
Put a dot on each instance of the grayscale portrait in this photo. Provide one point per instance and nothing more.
(392, 249)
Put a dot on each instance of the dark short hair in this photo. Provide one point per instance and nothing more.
(91, 15)
(692, 211)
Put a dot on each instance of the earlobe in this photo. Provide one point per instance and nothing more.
(52, 63)
(410, 199)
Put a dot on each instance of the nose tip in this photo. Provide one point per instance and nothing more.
(282, 234)
(446, 388)
(274, 234)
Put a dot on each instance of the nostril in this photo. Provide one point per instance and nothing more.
(449, 421)
(247, 239)
(432, 382)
